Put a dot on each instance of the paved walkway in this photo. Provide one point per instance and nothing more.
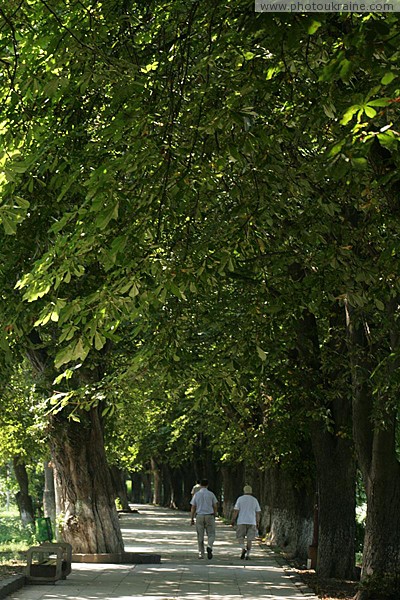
(181, 575)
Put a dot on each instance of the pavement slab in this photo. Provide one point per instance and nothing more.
(181, 574)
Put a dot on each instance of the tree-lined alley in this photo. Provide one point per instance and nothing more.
(199, 260)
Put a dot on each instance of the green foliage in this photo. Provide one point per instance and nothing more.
(21, 419)
(13, 536)
(211, 152)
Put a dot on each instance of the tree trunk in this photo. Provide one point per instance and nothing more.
(205, 467)
(336, 505)
(82, 479)
(376, 452)
(24, 500)
(148, 496)
(137, 493)
(332, 449)
(177, 477)
(190, 478)
(182, 481)
(86, 497)
(213, 475)
(49, 497)
(287, 511)
(167, 491)
(119, 485)
(156, 473)
(382, 531)
(233, 481)
(57, 495)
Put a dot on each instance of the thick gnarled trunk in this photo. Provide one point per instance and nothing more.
(83, 490)
(86, 499)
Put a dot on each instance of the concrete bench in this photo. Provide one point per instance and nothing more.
(48, 562)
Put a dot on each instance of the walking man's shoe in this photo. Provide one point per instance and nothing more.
(209, 553)
(243, 555)
(201, 555)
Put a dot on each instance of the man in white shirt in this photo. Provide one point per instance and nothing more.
(247, 511)
(196, 487)
(204, 508)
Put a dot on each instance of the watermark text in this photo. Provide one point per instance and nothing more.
(326, 6)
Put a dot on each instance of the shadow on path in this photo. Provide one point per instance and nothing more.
(181, 575)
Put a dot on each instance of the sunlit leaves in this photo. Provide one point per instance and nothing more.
(13, 212)
(367, 108)
(178, 167)
(261, 353)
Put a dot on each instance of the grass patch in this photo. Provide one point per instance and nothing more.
(14, 538)
(14, 543)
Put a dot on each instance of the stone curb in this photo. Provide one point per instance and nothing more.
(11, 584)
